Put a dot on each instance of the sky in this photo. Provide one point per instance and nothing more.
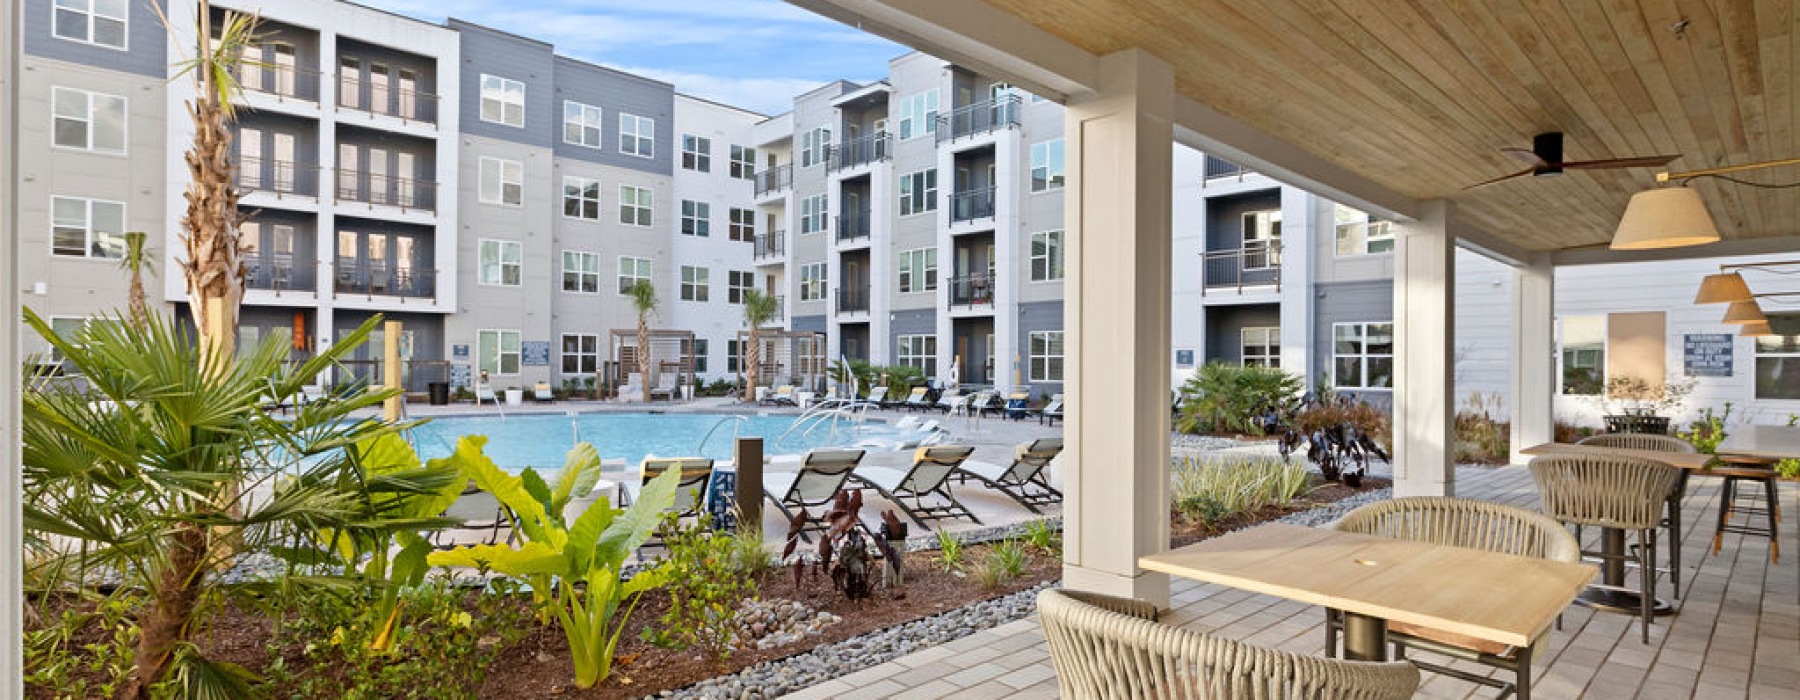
(755, 54)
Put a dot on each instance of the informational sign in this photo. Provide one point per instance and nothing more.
(1184, 358)
(1707, 354)
(721, 499)
(460, 352)
(461, 376)
(534, 353)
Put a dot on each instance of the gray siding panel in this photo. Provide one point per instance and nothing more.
(615, 93)
(491, 52)
(912, 322)
(1225, 325)
(811, 324)
(146, 44)
(1347, 302)
(1037, 316)
(1225, 216)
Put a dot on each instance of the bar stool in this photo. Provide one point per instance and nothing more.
(1672, 520)
(1753, 470)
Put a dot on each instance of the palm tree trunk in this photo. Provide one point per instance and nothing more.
(643, 352)
(214, 266)
(753, 358)
(165, 621)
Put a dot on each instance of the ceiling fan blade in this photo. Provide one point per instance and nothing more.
(1502, 178)
(1525, 155)
(1644, 162)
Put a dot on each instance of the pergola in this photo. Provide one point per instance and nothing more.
(1393, 108)
(670, 351)
(794, 357)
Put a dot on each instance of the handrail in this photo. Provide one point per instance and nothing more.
(368, 187)
(282, 177)
(400, 103)
(859, 151)
(978, 118)
(737, 421)
(972, 204)
(1251, 266)
(774, 179)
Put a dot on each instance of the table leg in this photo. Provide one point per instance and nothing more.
(1365, 638)
(1615, 598)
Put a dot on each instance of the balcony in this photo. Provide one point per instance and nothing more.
(280, 81)
(278, 177)
(853, 300)
(386, 190)
(979, 118)
(853, 225)
(1216, 168)
(970, 205)
(972, 291)
(780, 315)
(281, 273)
(861, 151)
(774, 179)
(383, 281)
(1254, 266)
(409, 106)
(770, 245)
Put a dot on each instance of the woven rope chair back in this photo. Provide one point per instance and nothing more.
(1112, 649)
(1603, 490)
(1641, 441)
(1460, 522)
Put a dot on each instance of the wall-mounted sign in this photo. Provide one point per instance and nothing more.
(534, 353)
(1184, 358)
(461, 376)
(1707, 354)
(460, 352)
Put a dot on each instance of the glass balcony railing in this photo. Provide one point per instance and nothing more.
(972, 290)
(853, 225)
(282, 81)
(853, 299)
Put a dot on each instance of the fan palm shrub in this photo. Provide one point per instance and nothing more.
(759, 309)
(643, 299)
(1231, 398)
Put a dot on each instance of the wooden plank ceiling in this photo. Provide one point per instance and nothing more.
(1420, 95)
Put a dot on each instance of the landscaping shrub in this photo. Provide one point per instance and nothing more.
(1339, 435)
(706, 584)
(1231, 398)
(1043, 537)
(64, 656)
(1208, 490)
(950, 552)
(1004, 562)
(1481, 439)
(1708, 430)
(748, 552)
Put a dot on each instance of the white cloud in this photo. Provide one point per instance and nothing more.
(767, 95)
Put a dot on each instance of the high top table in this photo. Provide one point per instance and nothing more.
(1494, 597)
(1766, 441)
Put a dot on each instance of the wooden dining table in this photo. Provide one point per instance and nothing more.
(1765, 441)
(1485, 595)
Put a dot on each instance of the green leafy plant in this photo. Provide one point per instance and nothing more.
(706, 583)
(1232, 398)
(85, 652)
(1708, 430)
(747, 551)
(1043, 537)
(950, 552)
(1207, 490)
(574, 569)
(1005, 561)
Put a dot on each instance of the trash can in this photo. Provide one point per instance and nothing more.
(440, 393)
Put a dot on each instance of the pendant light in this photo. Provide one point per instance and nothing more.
(1743, 312)
(1665, 217)
(1723, 288)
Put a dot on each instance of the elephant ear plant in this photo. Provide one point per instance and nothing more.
(575, 569)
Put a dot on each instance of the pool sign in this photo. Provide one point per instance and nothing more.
(1184, 358)
(1707, 354)
(534, 353)
(460, 351)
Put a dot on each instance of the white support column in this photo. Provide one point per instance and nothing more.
(12, 530)
(1534, 355)
(1300, 231)
(1424, 335)
(1116, 467)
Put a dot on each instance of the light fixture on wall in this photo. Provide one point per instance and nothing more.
(1675, 217)
(1743, 312)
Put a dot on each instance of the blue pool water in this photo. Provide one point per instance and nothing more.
(541, 441)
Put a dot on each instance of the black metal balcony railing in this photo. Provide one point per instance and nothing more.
(1252, 266)
(372, 188)
(354, 93)
(281, 273)
(286, 82)
(853, 225)
(280, 177)
(979, 118)
(859, 151)
(1216, 168)
(972, 290)
(853, 299)
(769, 245)
(969, 205)
(774, 179)
(372, 280)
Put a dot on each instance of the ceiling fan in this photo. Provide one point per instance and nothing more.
(1546, 159)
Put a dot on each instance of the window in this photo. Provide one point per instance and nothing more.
(695, 283)
(581, 124)
(581, 272)
(1778, 359)
(1047, 165)
(1046, 256)
(500, 262)
(813, 212)
(734, 356)
(1583, 355)
(1362, 355)
(918, 115)
(637, 135)
(635, 204)
(498, 352)
(88, 121)
(696, 350)
(1046, 356)
(631, 270)
(580, 353)
(918, 270)
(743, 162)
(812, 282)
(502, 101)
(696, 218)
(918, 192)
(696, 153)
(502, 181)
(738, 282)
(581, 198)
(100, 22)
(87, 228)
(812, 146)
(743, 225)
(917, 351)
(1262, 239)
(1357, 234)
(1261, 347)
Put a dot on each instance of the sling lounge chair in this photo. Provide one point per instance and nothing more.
(822, 475)
(690, 492)
(925, 484)
(915, 399)
(542, 393)
(877, 397)
(950, 400)
(1051, 411)
(482, 516)
(1024, 479)
(781, 396)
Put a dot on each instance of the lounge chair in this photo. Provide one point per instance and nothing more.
(542, 393)
(1024, 479)
(822, 475)
(950, 400)
(915, 399)
(690, 492)
(781, 396)
(1051, 411)
(928, 476)
(1018, 405)
(977, 403)
(877, 397)
(666, 387)
(482, 516)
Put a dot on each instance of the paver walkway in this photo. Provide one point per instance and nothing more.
(1737, 634)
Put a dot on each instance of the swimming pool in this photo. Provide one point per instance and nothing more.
(541, 441)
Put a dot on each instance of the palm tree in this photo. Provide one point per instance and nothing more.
(137, 262)
(643, 298)
(759, 308)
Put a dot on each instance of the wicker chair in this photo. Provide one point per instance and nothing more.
(1613, 492)
(1112, 649)
(1671, 521)
(1460, 522)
